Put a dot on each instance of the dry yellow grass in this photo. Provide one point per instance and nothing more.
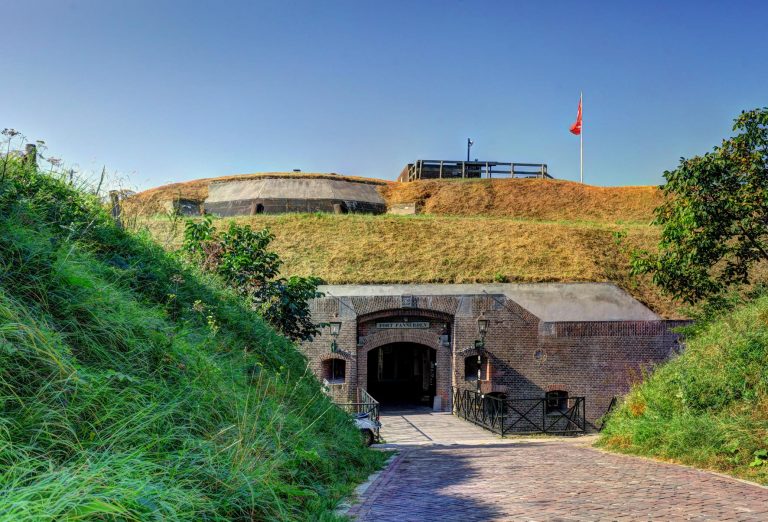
(448, 249)
(520, 198)
(528, 198)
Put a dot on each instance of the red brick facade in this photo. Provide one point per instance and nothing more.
(526, 357)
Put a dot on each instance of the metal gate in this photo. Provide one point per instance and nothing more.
(520, 416)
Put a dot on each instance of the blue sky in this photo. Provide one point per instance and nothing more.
(163, 91)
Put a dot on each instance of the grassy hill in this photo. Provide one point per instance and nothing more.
(525, 230)
(708, 407)
(450, 249)
(540, 199)
(553, 200)
(133, 388)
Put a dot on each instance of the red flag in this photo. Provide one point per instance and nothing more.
(576, 127)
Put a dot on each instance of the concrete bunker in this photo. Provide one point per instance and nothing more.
(294, 193)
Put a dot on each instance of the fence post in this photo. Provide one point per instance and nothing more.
(114, 197)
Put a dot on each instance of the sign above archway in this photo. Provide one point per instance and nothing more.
(403, 325)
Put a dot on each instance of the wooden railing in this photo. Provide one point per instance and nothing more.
(441, 169)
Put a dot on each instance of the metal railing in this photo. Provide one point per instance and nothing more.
(611, 406)
(364, 404)
(519, 416)
(442, 169)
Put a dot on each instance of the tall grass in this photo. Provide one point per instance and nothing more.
(709, 406)
(134, 388)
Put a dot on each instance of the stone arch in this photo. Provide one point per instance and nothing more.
(443, 354)
(415, 312)
(400, 336)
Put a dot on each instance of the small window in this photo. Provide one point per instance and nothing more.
(259, 208)
(557, 401)
(334, 371)
(470, 368)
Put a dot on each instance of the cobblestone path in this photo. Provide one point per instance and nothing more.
(547, 480)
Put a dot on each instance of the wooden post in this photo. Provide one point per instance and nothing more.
(114, 197)
(441, 169)
(30, 155)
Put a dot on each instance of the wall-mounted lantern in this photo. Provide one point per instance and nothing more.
(335, 327)
(482, 330)
(482, 327)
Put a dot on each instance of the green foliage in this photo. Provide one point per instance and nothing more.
(240, 256)
(244, 261)
(197, 235)
(120, 402)
(709, 406)
(715, 216)
(286, 306)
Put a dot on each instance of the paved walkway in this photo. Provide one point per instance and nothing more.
(422, 426)
(480, 477)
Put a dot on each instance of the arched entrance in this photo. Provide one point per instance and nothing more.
(403, 373)
(416, 344)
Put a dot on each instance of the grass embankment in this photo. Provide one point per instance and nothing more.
(708, 407)
(133, 388)
(542, 199)
(451, 249)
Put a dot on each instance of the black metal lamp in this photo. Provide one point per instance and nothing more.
(482, 327)
(335, 327)
(482, 330)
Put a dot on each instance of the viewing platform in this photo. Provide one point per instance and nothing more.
(442, 169)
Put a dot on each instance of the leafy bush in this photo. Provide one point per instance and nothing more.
(714, 217)
(134, 387)
(240, 257)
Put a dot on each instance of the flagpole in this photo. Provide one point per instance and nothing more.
(581, 139)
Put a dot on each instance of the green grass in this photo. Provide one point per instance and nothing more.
(709, 406)
(134, 388)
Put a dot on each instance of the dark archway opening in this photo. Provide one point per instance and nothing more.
(402, 374)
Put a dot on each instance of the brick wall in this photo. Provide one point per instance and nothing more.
(526, 357)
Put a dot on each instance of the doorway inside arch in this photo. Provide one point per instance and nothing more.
(402, 374)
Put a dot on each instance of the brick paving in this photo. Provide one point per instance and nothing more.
(545, 480)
